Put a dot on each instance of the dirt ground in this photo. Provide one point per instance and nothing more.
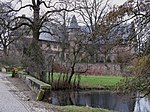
(28, 97)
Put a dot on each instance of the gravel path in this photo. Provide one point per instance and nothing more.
(15, 96)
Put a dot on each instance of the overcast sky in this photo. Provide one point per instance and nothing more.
(118, 2)
(113, 1)
(25, 11)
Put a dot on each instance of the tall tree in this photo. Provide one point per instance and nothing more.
(138, 11)
(93, 13)
(7, 36)
(4, 30)
(42, 12)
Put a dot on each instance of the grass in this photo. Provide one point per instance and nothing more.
(95, 82)
(9, 72)
(100, 81)
(89, 81)
(80, 109)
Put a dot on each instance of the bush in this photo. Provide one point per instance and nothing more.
(15, 71)
(141, 65)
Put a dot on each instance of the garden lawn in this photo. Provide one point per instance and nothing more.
(100, 81)
(90, 81)
(9, 72)
(80, 109)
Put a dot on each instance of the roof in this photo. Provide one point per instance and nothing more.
(49, 37)
(74, 23)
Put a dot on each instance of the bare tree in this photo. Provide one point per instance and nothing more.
(36, 24)
(93, 12)
(7, 36)
(70, 68)
(138, 11)
(94, 15)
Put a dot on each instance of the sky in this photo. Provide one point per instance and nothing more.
(113, 2)
(118, 2)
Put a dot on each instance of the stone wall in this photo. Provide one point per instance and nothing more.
(101, 69)
(94, 69)
(37, 86)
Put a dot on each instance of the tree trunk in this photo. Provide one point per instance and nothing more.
(36, 22)
(72, 73)
(5, 54)
(79, 79)
(35, 52)
(5, 51)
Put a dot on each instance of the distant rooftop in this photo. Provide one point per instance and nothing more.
(74, 23)
(49, 37)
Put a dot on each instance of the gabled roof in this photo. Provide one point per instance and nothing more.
(74, 23)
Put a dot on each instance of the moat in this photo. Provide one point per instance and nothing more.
(101, 99)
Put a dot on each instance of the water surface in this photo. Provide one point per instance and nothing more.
(101, 99)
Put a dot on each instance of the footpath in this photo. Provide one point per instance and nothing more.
(8, 103)
(15, 96)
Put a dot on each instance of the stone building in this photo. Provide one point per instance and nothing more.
(59, 47)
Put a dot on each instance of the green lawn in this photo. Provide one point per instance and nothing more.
(80, 109)
(89, 81)
(9, 72)
(98, 81)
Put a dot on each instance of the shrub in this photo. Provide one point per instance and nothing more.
(15, 71)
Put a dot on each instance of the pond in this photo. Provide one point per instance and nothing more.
(101, 99)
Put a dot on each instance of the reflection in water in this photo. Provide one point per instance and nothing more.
(142, 104)
(107, 100)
